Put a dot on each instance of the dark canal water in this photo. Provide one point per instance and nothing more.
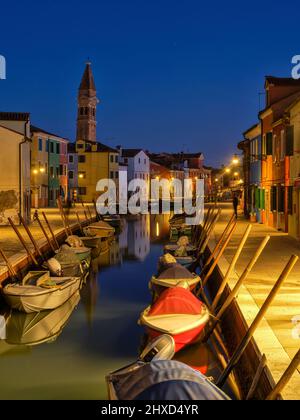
(66, 353)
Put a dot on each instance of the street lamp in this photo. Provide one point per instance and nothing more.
(228, 170)
(235, 160)
(35, 171)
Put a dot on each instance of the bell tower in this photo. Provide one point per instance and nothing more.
(87, 104)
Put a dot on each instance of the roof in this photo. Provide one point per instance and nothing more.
(100, 147)
(131, 152)
(35, 129)
(87, 81)
(14, 116)
(282, 81)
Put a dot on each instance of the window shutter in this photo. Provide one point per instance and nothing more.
(257, 198)
(290, 200)
(290, 140)
(269, 145)
(262, 200)
(281, 196)
(273, 199)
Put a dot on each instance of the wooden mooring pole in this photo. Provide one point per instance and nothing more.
(257, 377)
(231, 268)
(33, 241)
(37, 218)
(22, 241)
(221, 252)
(248, 336)
(10, 267)
(50, 229)
(286, 377)
(233, 294)
(79, 222)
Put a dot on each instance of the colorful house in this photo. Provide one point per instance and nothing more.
(275, 131)
(256, 195)
(15, 193)
(72, 171)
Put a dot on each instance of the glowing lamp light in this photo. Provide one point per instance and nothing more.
(80, 176)
(35, 171)
(236, 174)
(235, 160)
(216, 179)
(42, 170)
(228, 170)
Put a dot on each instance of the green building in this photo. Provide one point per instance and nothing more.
(54, 170)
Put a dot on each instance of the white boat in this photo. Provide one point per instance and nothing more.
(174, 275)
(39, 327)
(39, 292)
(100, 229)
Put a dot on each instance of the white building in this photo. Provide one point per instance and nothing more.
(138, 164)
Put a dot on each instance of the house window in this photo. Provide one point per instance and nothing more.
(46, 168)
(111, 175)
(51, 172)
(80, 145)
(61, 169)
(281, 196)
(116, 158)
(51, 195)
(139, 160)
(82, 190)
(290, 140)
(57, 171)
(111, 158)
(40, 145)
(71, 158)
(51, 147)
(273, 198)
(117, 175)
(81, 159)
(81, 111)
(125, 160)
(269, 143)
(71, 175)
(57, 148)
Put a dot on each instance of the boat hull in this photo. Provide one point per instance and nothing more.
(181, 340)
(24, 298)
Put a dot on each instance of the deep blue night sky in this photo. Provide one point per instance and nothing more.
(171, 75)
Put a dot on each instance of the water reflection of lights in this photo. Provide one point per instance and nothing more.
(157, 230)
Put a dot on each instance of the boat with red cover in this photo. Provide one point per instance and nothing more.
(176, 312)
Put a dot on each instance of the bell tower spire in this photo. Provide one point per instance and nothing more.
(87, 104)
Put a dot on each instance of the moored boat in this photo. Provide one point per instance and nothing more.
(162, 380)
(100, 229)
(176, 312)
(40, 327)
(173, 276)
(39, 292)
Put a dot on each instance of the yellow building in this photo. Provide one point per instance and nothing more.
(15, 166)
(293, 143)
(96, 161)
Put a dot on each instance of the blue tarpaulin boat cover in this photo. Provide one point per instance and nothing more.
(165, 380)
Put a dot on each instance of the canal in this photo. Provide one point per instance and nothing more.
(66, 353)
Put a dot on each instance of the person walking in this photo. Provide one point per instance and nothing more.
(235, 205)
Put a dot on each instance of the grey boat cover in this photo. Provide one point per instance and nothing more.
(66, 255)
(163, 380)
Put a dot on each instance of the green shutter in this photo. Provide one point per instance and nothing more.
(269, 143)
(262, 199)
(290, 140)
(257, 198)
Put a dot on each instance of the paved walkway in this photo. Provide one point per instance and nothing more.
(275, 335)
(10, 243)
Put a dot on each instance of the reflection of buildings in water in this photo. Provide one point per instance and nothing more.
(123, 237)
(159, 226)
(89, 295)
(115, 256)
(139, 237)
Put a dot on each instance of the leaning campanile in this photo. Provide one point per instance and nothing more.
(87, 104)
